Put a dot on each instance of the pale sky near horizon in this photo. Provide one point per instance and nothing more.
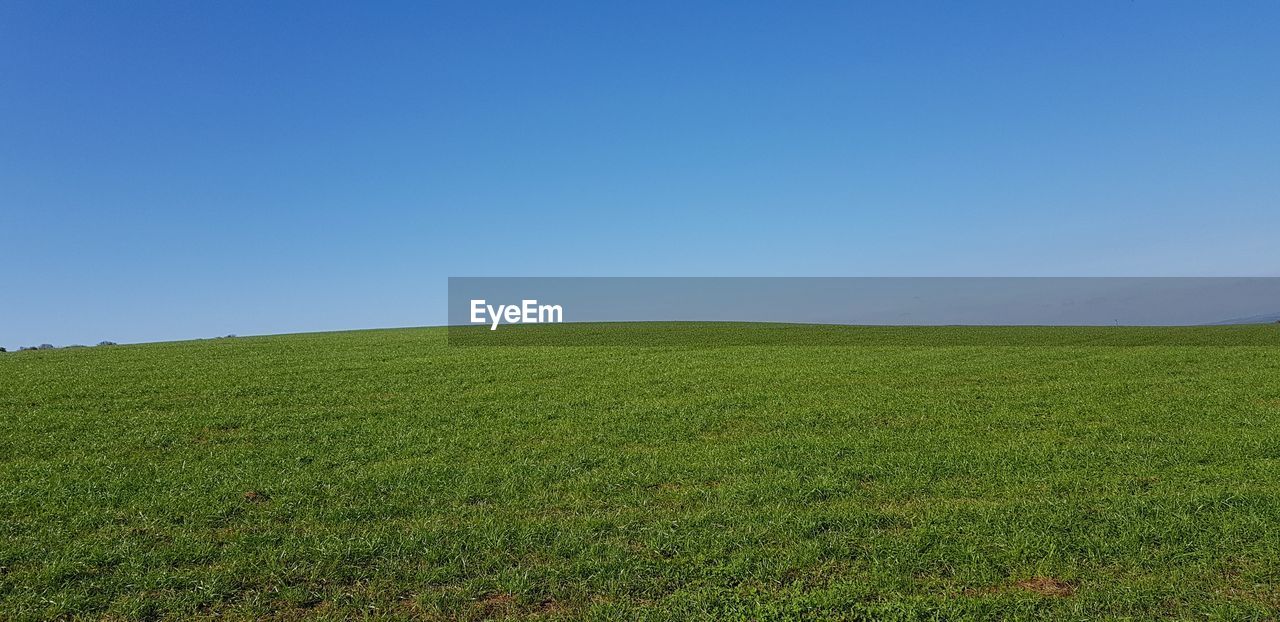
(175, 170)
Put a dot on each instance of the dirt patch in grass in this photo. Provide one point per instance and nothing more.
(496, 604)
(216, 434)
(1047, 586)
(550, 606)
(254, 496)
(1263, 595)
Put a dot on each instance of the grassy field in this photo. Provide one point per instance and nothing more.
(388, 474)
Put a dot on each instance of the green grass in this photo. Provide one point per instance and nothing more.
(387, 474)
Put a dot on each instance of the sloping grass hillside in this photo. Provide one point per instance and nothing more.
(389, 474)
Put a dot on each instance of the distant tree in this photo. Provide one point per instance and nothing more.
(3, 350)
(107, 343)
(46, 346)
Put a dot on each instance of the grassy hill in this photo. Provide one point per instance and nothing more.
(386, 473)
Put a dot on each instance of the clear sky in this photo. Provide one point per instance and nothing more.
(176, 170)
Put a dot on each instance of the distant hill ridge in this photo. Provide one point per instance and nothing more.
(1253, 319)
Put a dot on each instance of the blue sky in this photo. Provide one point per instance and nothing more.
(176, 170)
